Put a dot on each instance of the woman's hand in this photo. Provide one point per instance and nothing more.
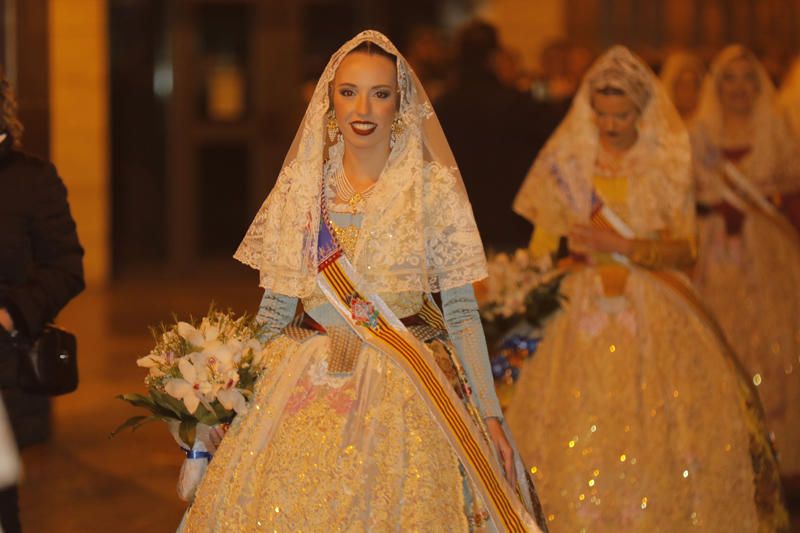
(500, 441)
(587, 239)
(216, 434)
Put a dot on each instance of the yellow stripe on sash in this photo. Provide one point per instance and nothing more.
(431, 314)
(599, 221)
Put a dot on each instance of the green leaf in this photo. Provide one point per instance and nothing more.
(204, 416)
(247, 378)
(544, 300)
(134, 423)
(169, 403)
(220, 412)
(137, 400)
(187, 431)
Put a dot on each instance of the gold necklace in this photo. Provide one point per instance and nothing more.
(347, 236)
(345, 191)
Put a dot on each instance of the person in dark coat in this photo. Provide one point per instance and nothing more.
(494, 131)
(41, 269)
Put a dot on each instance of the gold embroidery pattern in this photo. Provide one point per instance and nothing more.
(417, 366)
(307, 477)
(635, 445)
(347, 236)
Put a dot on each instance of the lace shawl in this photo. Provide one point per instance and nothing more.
(557, 192)
(773, 164)
(418, 233)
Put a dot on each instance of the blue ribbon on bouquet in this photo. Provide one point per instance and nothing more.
(197, 454)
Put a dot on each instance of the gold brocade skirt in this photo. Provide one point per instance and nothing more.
(751, 282)
(632, 417)
(320, 452)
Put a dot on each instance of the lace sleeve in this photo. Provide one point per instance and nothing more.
(464, 326)
(275, 311)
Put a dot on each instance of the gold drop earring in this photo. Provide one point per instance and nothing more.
(333, 127)
(397, 130)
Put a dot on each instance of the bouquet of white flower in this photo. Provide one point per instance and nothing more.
(511, 278)
(519, 288)
(199, 376)
(519, 296)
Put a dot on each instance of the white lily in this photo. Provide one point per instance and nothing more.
(232, 399)
(190, 334)
(256, 350)
(219, 357)
(191, 388)
(210, 333)
(155, 372)
(150, 361)
(236, 348)
(521, 258)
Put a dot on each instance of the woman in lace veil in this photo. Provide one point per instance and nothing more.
(375, 411)
(682, 76)
(632, 414)
(747, 167)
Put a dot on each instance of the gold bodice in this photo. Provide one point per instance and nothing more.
(344, 219)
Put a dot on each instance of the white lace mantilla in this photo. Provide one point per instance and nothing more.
(557, 193)
(418, 234)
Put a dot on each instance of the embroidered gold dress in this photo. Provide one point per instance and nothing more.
(345, 449)
(629, 414)
(632, 414)
(354, 425)
(748, 267)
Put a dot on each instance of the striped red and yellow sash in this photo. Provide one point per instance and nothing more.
(377, 325)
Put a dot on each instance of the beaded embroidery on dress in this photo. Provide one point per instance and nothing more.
(349, 443)
(628, 387)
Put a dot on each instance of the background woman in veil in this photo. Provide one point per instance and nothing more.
(747, 169)
(633, 413)
(682, 76)
(375, 411)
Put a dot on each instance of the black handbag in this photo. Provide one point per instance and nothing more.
(49, 366)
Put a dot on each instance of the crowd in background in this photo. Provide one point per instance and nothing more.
(482, 90)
